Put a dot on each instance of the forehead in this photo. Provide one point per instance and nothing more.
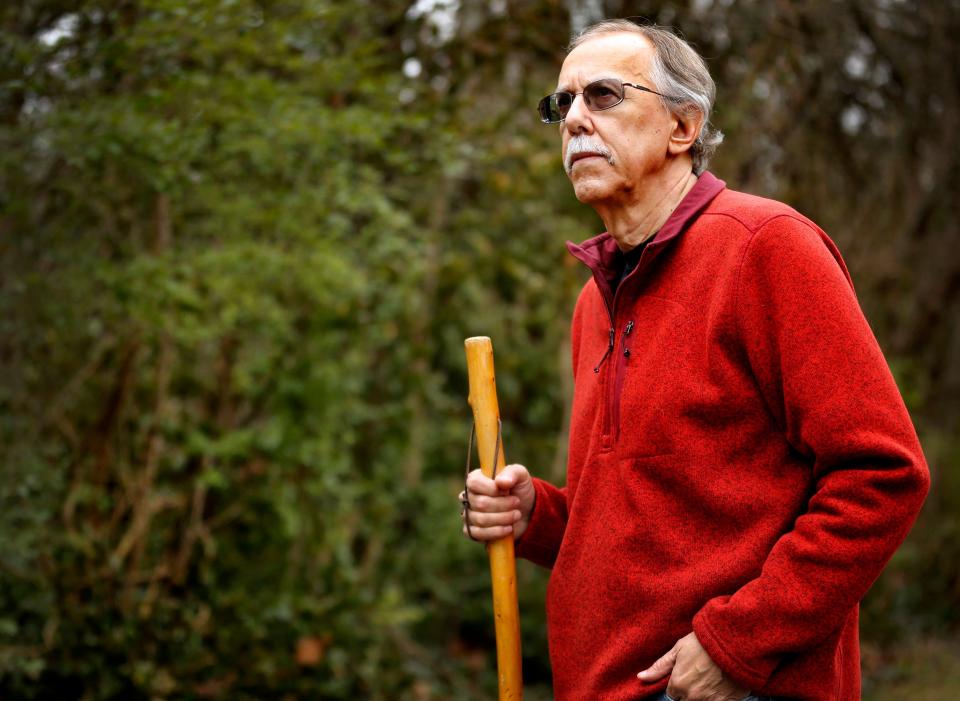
(623, 55)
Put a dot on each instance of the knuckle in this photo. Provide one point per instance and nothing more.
(480, 488)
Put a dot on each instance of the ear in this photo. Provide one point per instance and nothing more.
(685, 131)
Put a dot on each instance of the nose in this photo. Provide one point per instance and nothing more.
(578, 120)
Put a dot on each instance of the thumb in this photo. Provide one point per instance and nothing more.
(661, 667)
(510, 476)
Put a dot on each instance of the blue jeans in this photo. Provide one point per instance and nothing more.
(751, 697)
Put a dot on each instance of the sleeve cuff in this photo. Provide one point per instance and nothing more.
(540, 543)
(739, 670)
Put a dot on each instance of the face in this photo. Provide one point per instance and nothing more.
(614, 151)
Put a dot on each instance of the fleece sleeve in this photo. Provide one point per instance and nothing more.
(541, 541)
(825, 381)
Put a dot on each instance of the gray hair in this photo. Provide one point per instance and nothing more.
(678, 72)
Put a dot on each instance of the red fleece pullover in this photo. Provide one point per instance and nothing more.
(741, 463)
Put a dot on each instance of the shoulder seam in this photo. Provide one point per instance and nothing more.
(754, 232)
(753, 228)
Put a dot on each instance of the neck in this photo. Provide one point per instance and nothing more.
(633, 222)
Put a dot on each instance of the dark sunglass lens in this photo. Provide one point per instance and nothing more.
(544, 109)
(603, 94)
(553, 108)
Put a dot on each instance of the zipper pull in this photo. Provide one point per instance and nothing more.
(626, 332)
(609, 351)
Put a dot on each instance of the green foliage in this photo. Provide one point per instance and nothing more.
(235, 407)
(240, 248)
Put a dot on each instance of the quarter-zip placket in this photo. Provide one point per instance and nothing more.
(620, 371)
(613, 381)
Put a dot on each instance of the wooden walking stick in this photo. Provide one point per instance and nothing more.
(503, 568)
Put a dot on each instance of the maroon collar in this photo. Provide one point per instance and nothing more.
(601, 253)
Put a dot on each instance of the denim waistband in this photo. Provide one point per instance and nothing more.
(751, 697)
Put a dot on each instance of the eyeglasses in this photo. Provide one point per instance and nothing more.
(599, 95)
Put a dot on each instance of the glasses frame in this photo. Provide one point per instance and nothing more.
(543, 105)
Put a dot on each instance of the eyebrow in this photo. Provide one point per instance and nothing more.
(566, 88)
(562, 88)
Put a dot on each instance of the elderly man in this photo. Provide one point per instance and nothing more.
(741, 464)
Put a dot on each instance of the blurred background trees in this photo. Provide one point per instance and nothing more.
(240, 246)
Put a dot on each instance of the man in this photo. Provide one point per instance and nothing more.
(741, 464)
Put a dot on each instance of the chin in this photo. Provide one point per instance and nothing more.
(589, 190)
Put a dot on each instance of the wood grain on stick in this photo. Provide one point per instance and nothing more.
(503, 569)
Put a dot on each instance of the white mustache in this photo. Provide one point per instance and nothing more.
(584, 144)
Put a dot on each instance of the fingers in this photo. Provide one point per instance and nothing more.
(487, 534)
(490, 518)
(662, 667)
(496, 518)
(693, 675)
(494, 512)
(498, 504)
(507, 478)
